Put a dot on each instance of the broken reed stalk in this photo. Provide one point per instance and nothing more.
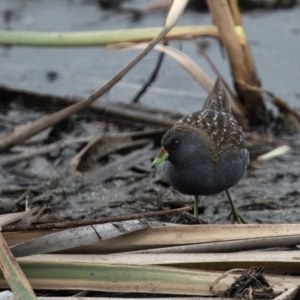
(13, 273)
(241, 62)
(105, 109)
(233, 5)
(73, 224)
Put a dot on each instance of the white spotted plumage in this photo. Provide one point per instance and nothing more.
(216, 120)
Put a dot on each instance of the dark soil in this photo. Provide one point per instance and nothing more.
(268, 193)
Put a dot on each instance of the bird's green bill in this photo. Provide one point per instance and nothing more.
(161, 157)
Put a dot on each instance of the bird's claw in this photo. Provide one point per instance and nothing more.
(236, 217)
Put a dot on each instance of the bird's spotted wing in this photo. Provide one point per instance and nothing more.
(222, 130)
(217, 99)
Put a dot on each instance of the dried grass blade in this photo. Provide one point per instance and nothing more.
(126, 162)
(231, 246)
(181, 58)
(274, 262)
(46, 273)
(78, 236)
(7, 295)
(181, 235)
(13, 274)
(290, 294)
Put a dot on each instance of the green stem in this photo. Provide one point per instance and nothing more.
(102, 38)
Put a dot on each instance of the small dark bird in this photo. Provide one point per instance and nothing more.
(204, 152)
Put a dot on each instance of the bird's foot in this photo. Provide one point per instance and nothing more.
(236, 217)
(187, 218)
(194, 219)
(234, 211)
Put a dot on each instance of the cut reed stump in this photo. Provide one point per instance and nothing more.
(226, 16)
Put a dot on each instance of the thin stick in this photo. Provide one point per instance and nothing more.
(72, 224)
(110, 110)
(11, 159)
(154, 73)
(282, 106)
(75, 161)
(151, 78)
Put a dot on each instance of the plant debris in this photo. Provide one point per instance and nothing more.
(251, 285)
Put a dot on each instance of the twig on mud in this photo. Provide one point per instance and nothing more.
(282, 106)
(23, 196)
(109, 110)
(124, 163)
(146, 133)
(143, 133)
(137, 117)
(75, 161)
(15, 189)
(11, 159)
(38, 215)
(72, 224)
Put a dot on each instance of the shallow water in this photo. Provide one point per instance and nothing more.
(274, 38)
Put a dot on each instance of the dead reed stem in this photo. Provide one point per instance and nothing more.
(241, 62)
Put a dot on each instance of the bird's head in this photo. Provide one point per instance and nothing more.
(179, 146)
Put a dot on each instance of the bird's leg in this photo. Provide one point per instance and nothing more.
(196, 204)
(234, 211)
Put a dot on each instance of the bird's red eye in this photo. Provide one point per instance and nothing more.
(175, 144)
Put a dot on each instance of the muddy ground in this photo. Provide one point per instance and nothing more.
(269, 191)
(115, 176)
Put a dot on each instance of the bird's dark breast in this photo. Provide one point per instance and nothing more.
(205, 177)
(221, 160)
